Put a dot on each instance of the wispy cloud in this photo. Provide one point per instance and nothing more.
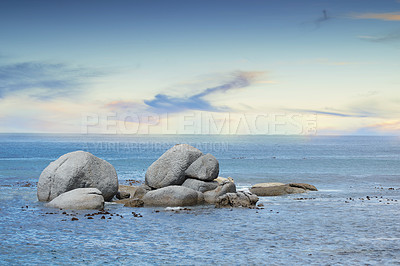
(393, 36)
(43, 80)
(165, 103)
(332, 113)
(392, 16)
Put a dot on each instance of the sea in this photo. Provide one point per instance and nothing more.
(353, 218)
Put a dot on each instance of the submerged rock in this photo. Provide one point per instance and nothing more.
(238, 199)
(199, 185)
(79, 199)
(205, 168)
(170, 168)
(134, 203)
(77, 169)
(123, 195)
(172, 196)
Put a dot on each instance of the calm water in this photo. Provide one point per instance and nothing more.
(324, 228)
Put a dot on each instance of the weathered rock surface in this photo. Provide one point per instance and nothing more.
(205, 168)
(77, 169)
(170, 168)
(79, 199)
(199, 185)
(172, 196)
(132, 202)
(238, 199)
(304, 186)
(223, 188)
(123, 195)
(221, 179)
(134, 191)
(279, 189)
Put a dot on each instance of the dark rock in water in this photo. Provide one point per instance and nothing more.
(223, 188)
(238, 199)
(141, 191)
(205, 168)
(79, 199)
(199, 185)
(279, 189)
(304, 186)
(170, 168)
(172, 196)
(123, 195)
(77, 169)
(134, 203)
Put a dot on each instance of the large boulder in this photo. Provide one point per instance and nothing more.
(238, 199)
(170, 168)
(79, 199)
(223, 188)
(172, 196)
(279, 189)
(199, 185)
(77, 169)
(205, 168)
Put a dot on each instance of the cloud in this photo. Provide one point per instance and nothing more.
(392, 16)
(43, 80)
(324, 17)
(164, 103)
(393, 36)
(340, 114)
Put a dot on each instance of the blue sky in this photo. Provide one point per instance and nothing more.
(60, 60)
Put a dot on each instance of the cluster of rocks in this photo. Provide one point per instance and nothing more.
(182, 176)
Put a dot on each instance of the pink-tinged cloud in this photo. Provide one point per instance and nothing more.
(392, 16)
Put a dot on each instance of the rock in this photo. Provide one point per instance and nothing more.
(205, 168)
(274, 189)
(238, 199)
(172, 196)
(141, 191)
(170, 168)
(221, 179)
(127, 189)
(304, 186)
(123, 195)
(223, 188)
(134, 203)
(199, 185)
(79, 199)
(135, 192)
(77, 169)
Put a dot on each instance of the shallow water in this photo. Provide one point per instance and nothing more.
(321, 228)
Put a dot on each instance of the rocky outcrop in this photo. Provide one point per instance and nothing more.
(221, 179)
(238, 199)
(79, 199)
(279, 189)
(131, 202)
(170, 168)
(172, 196)
(205, 168)
(123, 195)
(77, 169)
(134, 192)
(199, 185)
(223, 188)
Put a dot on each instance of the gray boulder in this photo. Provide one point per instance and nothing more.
(199, 185)
(79, 199)
(134, 192)
(223, 188)
(77, 169)
(205, 168)
(275, 189)
(238, 199)
(170, 168)
(172, 196)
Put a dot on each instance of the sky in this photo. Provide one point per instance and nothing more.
(200, 67)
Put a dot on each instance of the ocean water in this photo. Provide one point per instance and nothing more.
(352, 220)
